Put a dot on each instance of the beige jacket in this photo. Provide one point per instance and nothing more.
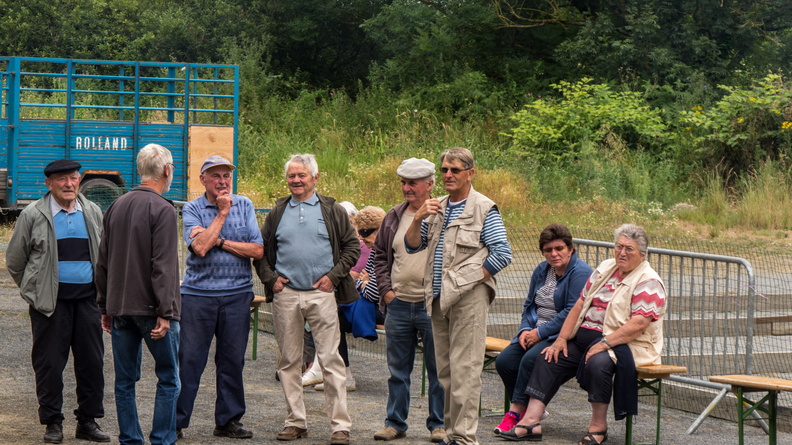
(647, 348)
(463, 252)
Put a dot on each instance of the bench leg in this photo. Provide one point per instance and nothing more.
(255, 333)
(423, 377)
(656, 387)
(747, 408)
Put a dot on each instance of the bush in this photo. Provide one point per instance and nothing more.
(586, 112)
(745, 127)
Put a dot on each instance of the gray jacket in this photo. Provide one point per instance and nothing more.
(32, 254)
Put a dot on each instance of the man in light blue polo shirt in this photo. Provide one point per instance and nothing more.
(311, 246)
(222, 234)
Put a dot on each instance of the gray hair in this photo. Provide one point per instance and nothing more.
(635, 233)
(308, 160)
(460, 154)
(352, 211)
(150, 161)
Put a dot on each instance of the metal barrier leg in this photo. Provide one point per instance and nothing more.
(707, 411)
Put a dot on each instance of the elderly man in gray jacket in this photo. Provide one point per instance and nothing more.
(51, 257)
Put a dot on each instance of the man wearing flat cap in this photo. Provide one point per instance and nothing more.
(222, 235)
(399, 279)
(51, 256)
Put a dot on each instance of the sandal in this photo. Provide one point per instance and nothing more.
(528, 436)
(588, 439)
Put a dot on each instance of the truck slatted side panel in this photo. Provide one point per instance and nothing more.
(101, 113)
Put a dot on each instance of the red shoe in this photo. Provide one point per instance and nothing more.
(509, 420)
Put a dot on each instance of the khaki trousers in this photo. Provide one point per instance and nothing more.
(460, 338)
(290, 310)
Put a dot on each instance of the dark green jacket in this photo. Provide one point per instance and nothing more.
(343, 241)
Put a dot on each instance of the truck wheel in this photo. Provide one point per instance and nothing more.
(101, 191)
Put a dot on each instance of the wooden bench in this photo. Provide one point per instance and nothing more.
(742, 384)
(651, 377)
(784, 324)
(258, 300)
(495, 346)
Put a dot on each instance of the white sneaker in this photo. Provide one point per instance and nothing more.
(312, 377)
(350, 380)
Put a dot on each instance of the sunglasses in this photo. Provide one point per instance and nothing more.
(366, 232)
(454, 170)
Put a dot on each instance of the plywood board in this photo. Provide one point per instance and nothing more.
(206, 141)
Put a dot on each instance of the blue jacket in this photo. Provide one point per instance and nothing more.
(566, 294)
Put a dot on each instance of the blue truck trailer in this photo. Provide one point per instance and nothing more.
(101, 113)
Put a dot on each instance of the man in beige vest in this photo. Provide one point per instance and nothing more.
(466, 243)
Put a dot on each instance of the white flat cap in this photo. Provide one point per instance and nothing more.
(415, 168)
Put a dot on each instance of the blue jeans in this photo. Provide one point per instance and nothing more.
(515, 366)
(128, 334)
(226, 318)
(403, 322)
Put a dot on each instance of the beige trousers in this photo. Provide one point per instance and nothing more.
(460, 340)
(290, 310)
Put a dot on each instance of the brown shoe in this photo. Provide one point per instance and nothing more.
(438, 435)
(389, 433)
(339, 438)
(292, 433)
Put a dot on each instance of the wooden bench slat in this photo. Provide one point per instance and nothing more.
(658, 371)
(496, 344)
(258, 300)
(754, 382)
(773, 319)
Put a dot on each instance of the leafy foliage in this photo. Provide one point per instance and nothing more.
(746, 126)
(554, 129)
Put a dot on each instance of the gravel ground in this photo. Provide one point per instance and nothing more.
(266, 409)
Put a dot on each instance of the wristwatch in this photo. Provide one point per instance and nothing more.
(606, 343)
(222, 241)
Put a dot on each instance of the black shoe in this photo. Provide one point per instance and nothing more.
(90, 431)
(54, 433)
(234, 430)
(179, 434)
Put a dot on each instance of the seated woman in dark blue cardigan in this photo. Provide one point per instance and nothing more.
(554, 289)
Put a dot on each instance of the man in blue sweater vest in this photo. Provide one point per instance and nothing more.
(51, 256)
(222, 234)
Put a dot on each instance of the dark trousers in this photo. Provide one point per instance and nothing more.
(226, 318)
(76, 326)
(515, 365)
(547, 377)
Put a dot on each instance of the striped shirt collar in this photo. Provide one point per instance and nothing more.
(55, 208)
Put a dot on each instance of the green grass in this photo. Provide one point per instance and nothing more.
(359, 144)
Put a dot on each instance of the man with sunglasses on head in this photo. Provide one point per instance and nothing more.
(310, 247)
(466, 243)
(222, 235)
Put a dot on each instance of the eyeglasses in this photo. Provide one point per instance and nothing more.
(556, 248)
(628, 249)
(366, 232)
(454, 170)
